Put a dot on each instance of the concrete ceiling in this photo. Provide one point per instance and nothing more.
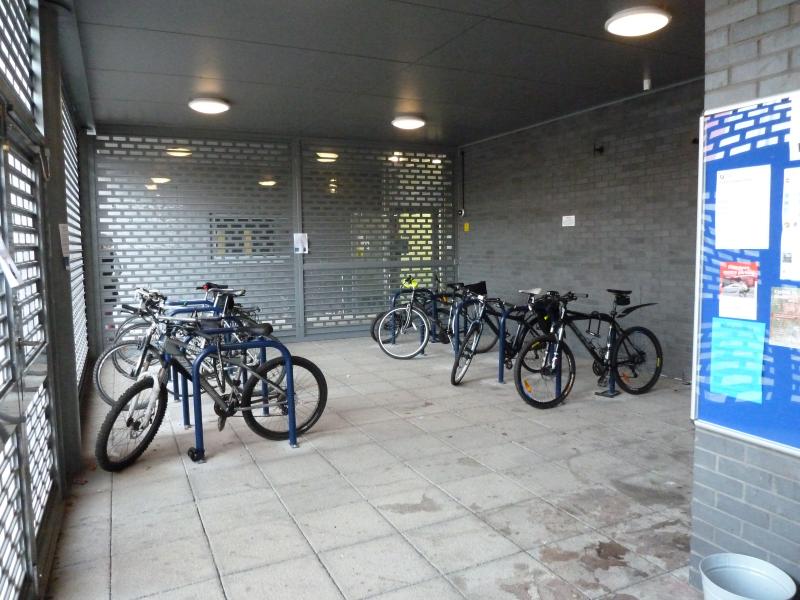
(344, 68)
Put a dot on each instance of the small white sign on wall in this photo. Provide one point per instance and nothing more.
(301, 243)
(568, 221)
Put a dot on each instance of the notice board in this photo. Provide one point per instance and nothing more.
(747, 312)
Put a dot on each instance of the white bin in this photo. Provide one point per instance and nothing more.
(740, 577)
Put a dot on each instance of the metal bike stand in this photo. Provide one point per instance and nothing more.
(179, 303)
(187, 423)
(197, 453)
(612, 391)
(501, 367)
(193, 310)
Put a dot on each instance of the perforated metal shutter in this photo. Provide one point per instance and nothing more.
(15, 49)
(12, 533)
(23, 211)
(372, 215)
(210, 220)
(75, 248)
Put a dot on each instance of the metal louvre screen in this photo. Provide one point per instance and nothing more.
(15, 48)
(79, 331)
(372, 216)
(40, 455)
(173, 213)
(12, 541)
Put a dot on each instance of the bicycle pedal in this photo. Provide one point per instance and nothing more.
(509, 364)
(221, 420)
(602, 381)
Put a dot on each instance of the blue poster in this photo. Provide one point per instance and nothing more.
(737, 358)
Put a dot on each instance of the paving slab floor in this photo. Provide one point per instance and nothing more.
(406, 488)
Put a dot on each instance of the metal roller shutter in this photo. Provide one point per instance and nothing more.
(208, 218)
(372, 215)
(79, 331)
(15, 44)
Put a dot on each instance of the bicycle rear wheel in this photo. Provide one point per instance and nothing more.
(403, 332)
(269, 415)
(540, 383)
(636, 360)
(130, 425)
(375, 323)
(465, 354)
(489, 333)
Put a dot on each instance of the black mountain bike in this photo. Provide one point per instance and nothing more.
(632, 356)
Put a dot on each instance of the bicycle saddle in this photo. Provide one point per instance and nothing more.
(620, 292)
(227, 292)
(532, 291)
(212, 286)
(262, 329)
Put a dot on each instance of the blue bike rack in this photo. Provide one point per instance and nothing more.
(612, 391)
(189, 303)
(262, 344)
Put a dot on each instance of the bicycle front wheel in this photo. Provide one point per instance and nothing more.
(489, 334)
(636, 360)
(131, 425)
(267, 414)
(113, 372)
(544, 382)
(376, 324)
(403, 332)
(465, 354)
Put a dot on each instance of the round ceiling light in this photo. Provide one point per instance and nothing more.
(209, 106)
(160, 179)
(179, 151)
(636, 21)
(267, 182)
(151, 186)
(408, 122)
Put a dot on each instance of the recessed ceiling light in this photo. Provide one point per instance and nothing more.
(179, 151)
(267, 182)
(436, 161)
(160, 179)
(636, 21)
(327, 157)
(209, 106)
(408, 122)
(151, 186)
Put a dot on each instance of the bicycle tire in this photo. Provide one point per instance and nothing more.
(304, 419)
(131, 329)
(111, 373)
(544, 394)
(466, 353)
(104, 436)
(624, 371)
(373, 328)
(489, 334)
(389, 343)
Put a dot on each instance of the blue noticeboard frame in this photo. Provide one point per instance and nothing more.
(747, 352)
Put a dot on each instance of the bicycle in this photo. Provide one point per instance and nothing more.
(120, 364)
(528, 317)
(230, 379)
(633, 356)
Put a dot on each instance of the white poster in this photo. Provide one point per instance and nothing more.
(742, 208)
(790, 232)
(301, 243)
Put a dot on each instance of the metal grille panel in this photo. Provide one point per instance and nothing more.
(15, 48)
(40, 452)
(372, 215)
(12, 541)
(212, 220)
(79, 330)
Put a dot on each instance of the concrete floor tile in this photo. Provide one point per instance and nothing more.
(447, 467)
(81, 581)
(439, 422)
(359, 458)
(511, 578)
(533, 523)
(219, 513)
(595, 564)
(505, 456)
(664, 587)
(318, 494)
(485, 492)
(416, 446)
(661, 538)
(152, 496)
(387, 480)
(82, 510)
(470, 438)
(298, 579)
(435, 589)
(545, 479)
(599, 506)
(460, 543)
(309, 465)
(377, 566)
(162, 567)
(341, 438)
(418, 507)
(362, 416)
(72, 546)
(343, 526)
(655, 490)
(224, 482)
(143, 530)
(253, 543)
(392, 429)
(205, 590)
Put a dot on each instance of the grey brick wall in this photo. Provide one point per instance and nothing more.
(634, 204)
(752, 49)
(746, 498)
